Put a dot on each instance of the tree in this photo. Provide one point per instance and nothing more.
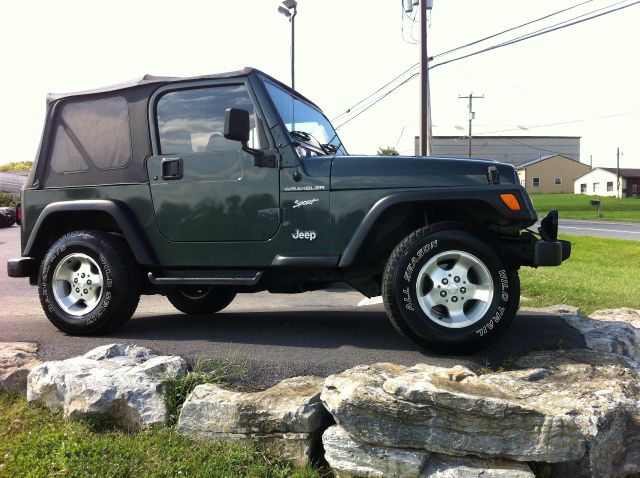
(22, 166)
(388, 151)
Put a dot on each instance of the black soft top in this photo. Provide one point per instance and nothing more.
(121, 157)
(150, 79)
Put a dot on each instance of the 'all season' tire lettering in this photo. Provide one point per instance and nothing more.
(406, 292)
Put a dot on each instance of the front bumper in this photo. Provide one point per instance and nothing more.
(22, 267)
(528, 250)
(550, 253)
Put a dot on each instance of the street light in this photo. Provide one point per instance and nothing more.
(290, 10)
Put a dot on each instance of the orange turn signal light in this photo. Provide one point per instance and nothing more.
(511, 201)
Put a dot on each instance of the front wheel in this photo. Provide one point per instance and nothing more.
(201, 299)
(446, 289)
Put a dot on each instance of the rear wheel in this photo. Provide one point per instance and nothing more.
(89, 283)
(201, 299)
(446, 289)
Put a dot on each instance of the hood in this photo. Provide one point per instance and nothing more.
(382, 172)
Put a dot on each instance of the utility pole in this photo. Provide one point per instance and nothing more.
(618, 195)
(425, 97)
(290, 10)
(471, 113)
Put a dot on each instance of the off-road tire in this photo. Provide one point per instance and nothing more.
(109, 256)
(417, 253)
(201, 299)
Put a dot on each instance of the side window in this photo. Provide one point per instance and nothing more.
(192, 121)
(94, 132)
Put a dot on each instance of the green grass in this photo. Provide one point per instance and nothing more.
(176, 390)
(576, 206)
(600, 274)
(36, 442)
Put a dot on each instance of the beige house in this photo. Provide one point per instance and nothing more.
(551, 174)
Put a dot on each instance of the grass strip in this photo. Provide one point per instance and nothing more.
(577, 206)
(37, 442)
(600, 274)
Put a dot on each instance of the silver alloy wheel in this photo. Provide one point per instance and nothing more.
(454, 289)
(77, 284)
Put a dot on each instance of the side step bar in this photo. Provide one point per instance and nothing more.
(206, 278)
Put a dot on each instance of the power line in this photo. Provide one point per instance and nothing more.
(378, 100)
(377, 91)
(415, 65)
(559, 123)
(544, 31)
(567, 23)
(512, 29)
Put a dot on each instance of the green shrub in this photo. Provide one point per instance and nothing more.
(176, 390)
(6, 199)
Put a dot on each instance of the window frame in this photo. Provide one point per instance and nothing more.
(203, 84)
(609, 190)
(583, 190)
(533, 183)
(557, 181)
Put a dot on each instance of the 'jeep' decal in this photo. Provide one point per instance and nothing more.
(304, 235)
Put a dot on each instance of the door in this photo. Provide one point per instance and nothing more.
(205, 187)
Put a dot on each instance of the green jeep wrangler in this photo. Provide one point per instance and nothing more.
(202, 188)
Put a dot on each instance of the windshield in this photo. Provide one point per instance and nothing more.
(311, 130)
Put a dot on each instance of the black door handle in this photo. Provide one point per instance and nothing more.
(172, 168)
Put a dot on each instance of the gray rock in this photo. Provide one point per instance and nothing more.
(566, 406)
(443, 466)
(287, 418)
(558, 309)
(612, 330)
(349, 458)
(119, 383)
(16, 361)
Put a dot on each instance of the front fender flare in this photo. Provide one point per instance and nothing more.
(489, 195)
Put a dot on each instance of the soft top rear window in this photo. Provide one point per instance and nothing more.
(92, 134)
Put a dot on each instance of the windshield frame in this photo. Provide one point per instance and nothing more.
(313, 146)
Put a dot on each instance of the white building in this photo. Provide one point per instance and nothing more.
(603, 182)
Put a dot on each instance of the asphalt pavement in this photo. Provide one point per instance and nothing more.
(270, 336)
(612, 230)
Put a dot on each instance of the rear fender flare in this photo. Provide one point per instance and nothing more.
(119, 211)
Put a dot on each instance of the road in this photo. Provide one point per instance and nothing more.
(614, 230)
(271, 337)
(611, 230)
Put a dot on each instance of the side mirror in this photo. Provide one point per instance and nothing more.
(236, 125)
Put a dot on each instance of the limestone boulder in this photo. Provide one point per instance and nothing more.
(349, 458)
(443, 466)
(119, 383)
(16, 361)
(288, 418)
(577, 406)
(611, 330)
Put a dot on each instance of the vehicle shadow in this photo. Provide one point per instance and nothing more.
(334, 329)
